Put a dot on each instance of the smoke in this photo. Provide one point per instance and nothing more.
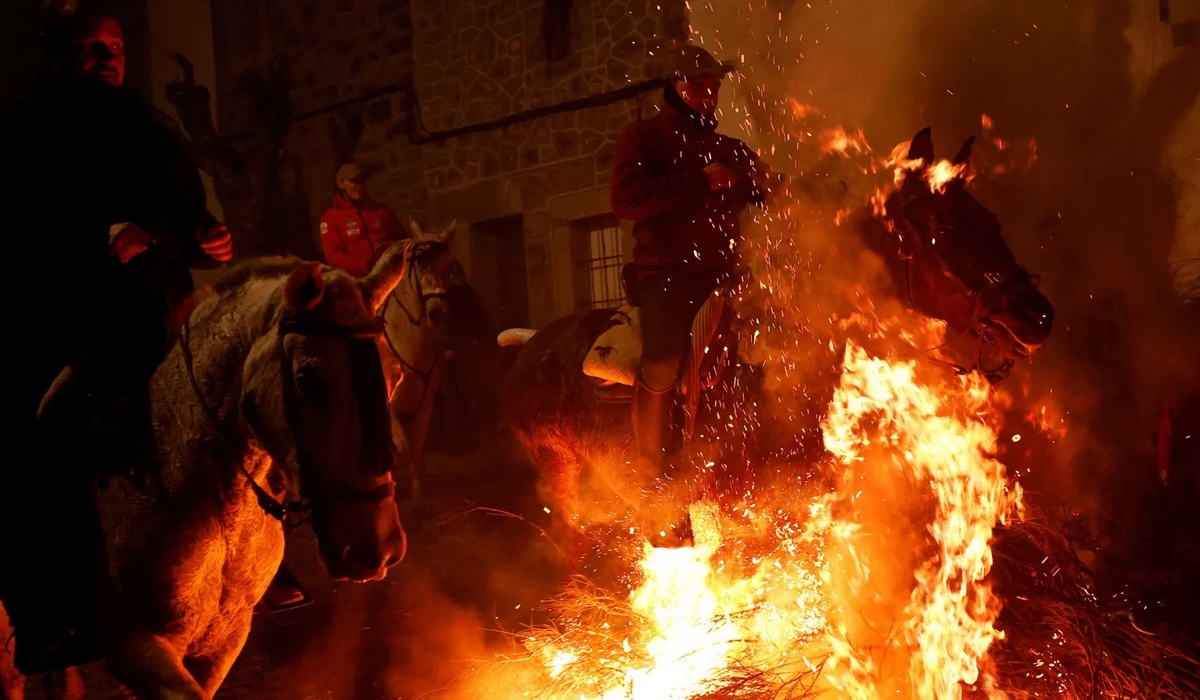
(1090, 89)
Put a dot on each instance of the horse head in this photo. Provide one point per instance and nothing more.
(314, 398)
(952, 262)
(433, 275)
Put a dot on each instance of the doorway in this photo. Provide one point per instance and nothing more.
(498, 270)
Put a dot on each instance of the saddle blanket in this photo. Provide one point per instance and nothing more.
(616, 355)
(617, 352)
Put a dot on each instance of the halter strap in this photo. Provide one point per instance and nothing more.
(290, 514)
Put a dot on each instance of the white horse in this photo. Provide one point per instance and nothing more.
(415, 343)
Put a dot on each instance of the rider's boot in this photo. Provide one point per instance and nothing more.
(652, 423)
(652, 429)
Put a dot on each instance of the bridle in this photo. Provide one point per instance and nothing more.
(420, 250)
(290, 514)
(993, 285)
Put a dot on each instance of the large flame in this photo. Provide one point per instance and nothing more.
(874, 589)
(939, 436)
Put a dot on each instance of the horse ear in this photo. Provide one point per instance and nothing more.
(305, 287)
(964, 153)
(384, 277)
(922, 146)
(448, 233)
(413, 226)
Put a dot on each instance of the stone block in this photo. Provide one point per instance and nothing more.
(566, 143)
(400, 44)
(509, 157)
(529, 157)
(489, 165)
(591, 140)
(572, 175)
(602, 160)
(533, 188)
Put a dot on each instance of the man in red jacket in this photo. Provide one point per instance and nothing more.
(684, 186)
(357, 229)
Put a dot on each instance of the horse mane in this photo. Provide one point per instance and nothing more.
(246, 271)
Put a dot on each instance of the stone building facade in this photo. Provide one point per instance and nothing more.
(371, 78)
(381, 81)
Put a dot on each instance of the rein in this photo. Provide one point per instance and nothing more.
(416, 321)
(422, 298)
(981, 299)
(291, 514)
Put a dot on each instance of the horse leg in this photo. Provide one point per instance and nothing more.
(210, 672)
(418, 433)
(148, 665)
(12, 683)
(68, 685)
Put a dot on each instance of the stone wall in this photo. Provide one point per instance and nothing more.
(469, 62)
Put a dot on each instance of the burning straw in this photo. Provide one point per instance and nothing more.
(1063, 641)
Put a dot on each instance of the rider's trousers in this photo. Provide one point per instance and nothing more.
(668, 302)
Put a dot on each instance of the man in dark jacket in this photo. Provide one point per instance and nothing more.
(105, 220)
(685, 187)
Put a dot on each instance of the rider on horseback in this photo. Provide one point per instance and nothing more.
(110, 215)
(685, 187)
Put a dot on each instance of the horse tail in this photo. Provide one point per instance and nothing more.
(515, 336)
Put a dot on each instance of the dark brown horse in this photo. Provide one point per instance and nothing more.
(948, 261)
(945, 255)
(271, 406)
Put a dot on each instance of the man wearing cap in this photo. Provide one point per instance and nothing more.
(357, 229)
(684, 186)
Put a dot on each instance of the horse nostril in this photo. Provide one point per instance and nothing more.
(437, 317)
(365, 557)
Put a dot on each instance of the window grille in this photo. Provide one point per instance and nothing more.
(602, 262)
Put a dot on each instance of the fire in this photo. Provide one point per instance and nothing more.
(698, 614)
(836, 140)
(797, 589)
(937, 174)
(939, 436)
(801, 110)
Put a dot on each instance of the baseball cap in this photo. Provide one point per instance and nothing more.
(351, 171)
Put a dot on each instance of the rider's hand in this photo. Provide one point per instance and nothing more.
(127, 241)
(720, 177)
(216, 242)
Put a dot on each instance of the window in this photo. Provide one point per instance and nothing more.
(556, 29)
(598, 262)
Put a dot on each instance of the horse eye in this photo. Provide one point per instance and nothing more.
(309, 383)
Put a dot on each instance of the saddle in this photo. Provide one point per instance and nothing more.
(614, 357)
